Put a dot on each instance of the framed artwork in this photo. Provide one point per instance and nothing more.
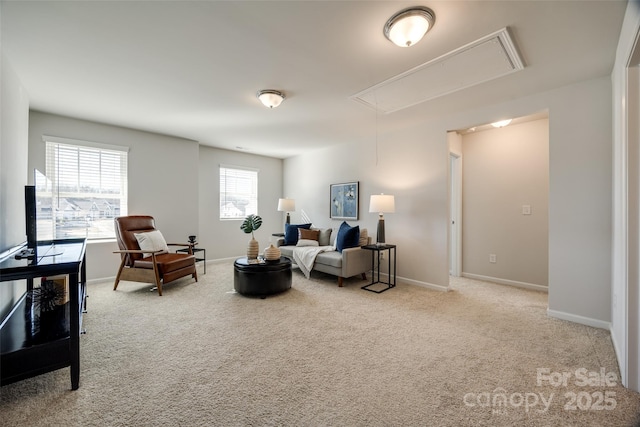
(344, 201)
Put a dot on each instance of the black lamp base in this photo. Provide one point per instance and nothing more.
(380, 235)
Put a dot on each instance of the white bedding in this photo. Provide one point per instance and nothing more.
(305, 256)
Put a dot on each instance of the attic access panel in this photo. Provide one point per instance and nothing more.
(485, 59)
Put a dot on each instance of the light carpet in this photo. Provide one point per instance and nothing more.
(319, 355)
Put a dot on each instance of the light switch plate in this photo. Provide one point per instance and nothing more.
(526, 209)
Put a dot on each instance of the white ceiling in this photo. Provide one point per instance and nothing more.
(192, 68)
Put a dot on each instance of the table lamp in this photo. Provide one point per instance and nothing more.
(287, 205)
(381, 203)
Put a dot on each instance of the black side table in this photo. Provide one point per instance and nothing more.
(196, 250)
(377, 249)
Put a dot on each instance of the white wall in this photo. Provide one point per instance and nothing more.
(580, 203)
(13, 157)
(625, 292)
(223, 238)
(413, 164)
(503, 170)
(173, 179)
(162, 173)
(14, 128)
(633, 278)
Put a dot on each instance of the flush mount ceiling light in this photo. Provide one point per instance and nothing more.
(501, 123)
(270, 98)
(408, 26)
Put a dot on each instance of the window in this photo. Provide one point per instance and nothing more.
(87, 188)
(238, 192)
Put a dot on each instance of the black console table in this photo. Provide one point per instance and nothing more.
(377, 249)
(24, 352)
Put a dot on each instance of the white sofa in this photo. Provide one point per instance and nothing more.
(348, 263)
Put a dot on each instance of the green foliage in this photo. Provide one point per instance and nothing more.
(251, 223)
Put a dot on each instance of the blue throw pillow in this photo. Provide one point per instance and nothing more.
(291, 233)
(348, 237)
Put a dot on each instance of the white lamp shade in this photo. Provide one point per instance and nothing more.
(382, 203)
(286, 205)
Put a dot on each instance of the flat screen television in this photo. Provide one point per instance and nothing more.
(30, 212)
(30, 208)
(33, 201)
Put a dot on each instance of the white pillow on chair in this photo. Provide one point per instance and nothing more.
(151, 241)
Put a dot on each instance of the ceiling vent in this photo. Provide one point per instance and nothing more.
(485, 59)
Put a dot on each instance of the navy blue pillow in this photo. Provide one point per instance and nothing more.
(348, 237)
(291, 233)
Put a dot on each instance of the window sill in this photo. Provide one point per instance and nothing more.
(98, 241)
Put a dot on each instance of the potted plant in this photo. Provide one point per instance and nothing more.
(250, 224)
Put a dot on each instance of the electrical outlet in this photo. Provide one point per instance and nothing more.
(381, 254)
(493, 258)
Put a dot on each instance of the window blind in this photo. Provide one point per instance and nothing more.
(88, 188)
(238, 192)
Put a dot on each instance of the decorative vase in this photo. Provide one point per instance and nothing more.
(253, 249)
(272, 253)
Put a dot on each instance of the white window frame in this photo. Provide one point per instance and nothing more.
(93, 219)
(231, 191)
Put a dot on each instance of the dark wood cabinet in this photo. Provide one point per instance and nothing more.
(26, 348)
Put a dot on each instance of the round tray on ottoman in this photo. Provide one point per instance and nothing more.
(263, 278)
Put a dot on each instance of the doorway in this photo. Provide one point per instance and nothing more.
(498, 202)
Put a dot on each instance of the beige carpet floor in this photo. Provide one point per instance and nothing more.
(319, 355)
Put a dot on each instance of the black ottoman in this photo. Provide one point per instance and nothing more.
(267, 278)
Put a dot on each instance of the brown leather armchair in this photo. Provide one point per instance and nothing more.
(150, 266)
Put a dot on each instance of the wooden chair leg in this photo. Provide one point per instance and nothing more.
(115, 285)
(157, 274)
(195, 274)
(340, 281)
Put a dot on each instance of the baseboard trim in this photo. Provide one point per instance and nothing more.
(100, 280)
(209, 261)
(515, 283)
(223, 260)
(382, 275)
(427, 285)
(600, 324)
